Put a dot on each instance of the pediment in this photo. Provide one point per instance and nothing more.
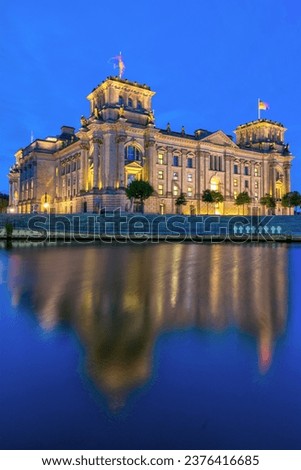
(134, 165)
(219, 138)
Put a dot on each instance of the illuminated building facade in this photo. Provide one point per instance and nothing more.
(88, 170)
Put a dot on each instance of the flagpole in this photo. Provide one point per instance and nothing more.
(258, 108)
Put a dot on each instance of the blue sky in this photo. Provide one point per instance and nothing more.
(207, 60)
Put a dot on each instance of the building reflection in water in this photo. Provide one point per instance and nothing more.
(120, 298)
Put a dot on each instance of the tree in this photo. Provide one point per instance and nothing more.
(139, 190)
(268, 201)
(180, 201)
(3, 202)
(242, 199)
(291, 199)
(210, 196)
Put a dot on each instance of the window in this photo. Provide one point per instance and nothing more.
(246, 170)
(175, 175)
(175, 160)
(160, 175)
(189, 177)
(246, 184)
(235, 194)
(256, 171)
(189, 162)
(256, 195)
(175, 190)
(56, 171)
(160, 158)
(235, 169)
(235, 183)
(130, 102)
(256, 185)
(189, 191)
(160, 189)
(120, 100)
(139, 105)
(132, 153)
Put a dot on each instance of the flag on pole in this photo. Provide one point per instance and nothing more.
(263, 105)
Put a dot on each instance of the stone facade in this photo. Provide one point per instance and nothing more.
(88, 170)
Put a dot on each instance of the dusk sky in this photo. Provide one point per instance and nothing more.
(207, 60)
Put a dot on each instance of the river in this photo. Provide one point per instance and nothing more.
(150, 346)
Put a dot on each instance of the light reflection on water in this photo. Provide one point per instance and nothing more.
(119, 299)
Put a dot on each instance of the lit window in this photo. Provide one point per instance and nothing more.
(235, 183)
(56, 171)
(189, 162)
(235, 194)
(189, 177)
(175, 190)
(256, 171)
(160, 175)
(256, 195)
(189, 191)
(160, 158)
(132, 153)
(256, 184)
(235, 169)
(160, 189)
(175, 175)
(175, 160)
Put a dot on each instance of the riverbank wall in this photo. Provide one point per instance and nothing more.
(118, 226)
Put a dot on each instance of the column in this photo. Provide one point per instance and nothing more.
(120, 177)
(183, 173)
(83, 177)
(169, 187)
(150, 161)
(95, 155)
(287, 177)
(228, 177)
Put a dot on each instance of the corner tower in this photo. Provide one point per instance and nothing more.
(116, 97)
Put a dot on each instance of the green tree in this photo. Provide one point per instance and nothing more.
(268, 201)
(210, 197)
(180, 201)
(139, 190)
(291, 199)
(242, 199)
(3, 202)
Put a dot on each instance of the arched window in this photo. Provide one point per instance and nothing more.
(214, 184)
(130, 102)
(139, 105)
(120, 100)
(132, 154)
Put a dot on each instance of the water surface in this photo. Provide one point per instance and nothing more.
(179, 346)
